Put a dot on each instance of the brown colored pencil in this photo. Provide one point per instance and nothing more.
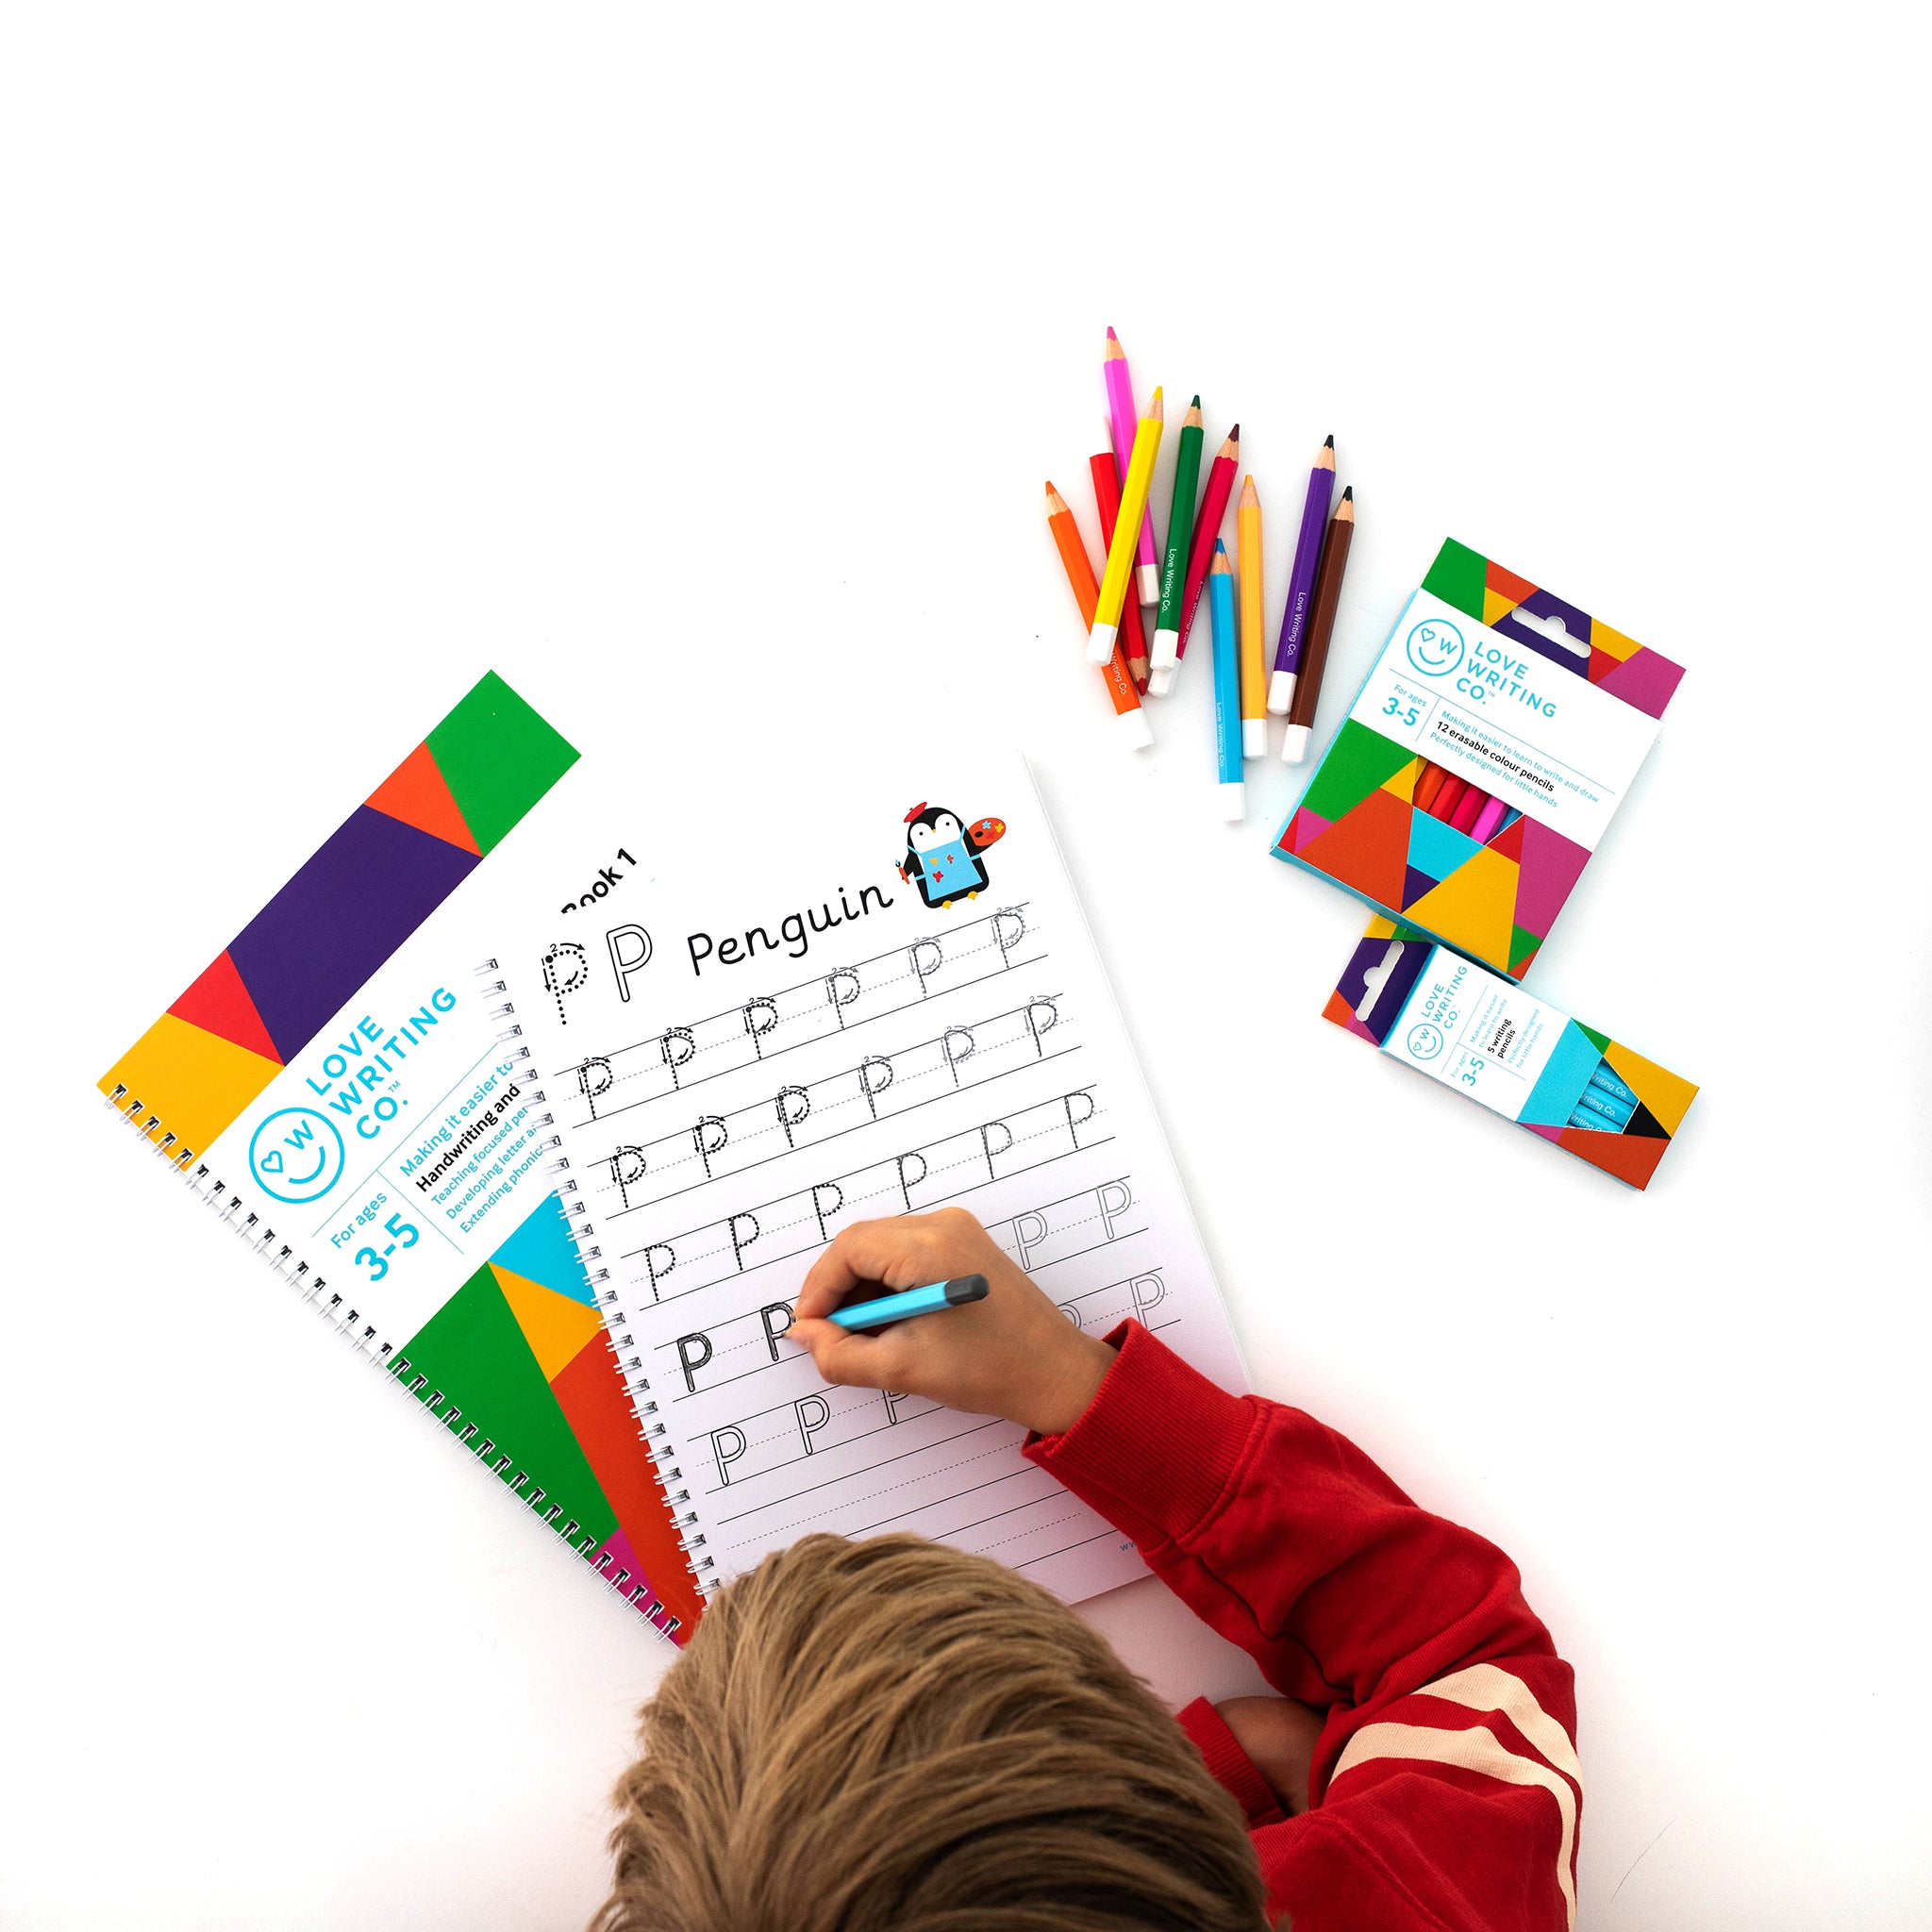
(1307, 690)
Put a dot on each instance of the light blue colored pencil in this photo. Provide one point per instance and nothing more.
(914, 1301)
(1227, 685)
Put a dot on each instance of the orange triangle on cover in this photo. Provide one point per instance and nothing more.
(218, 1003)
(1506, 583)
(416, 793)
(1632, 1157)
(554, 1324)
(1366, 848)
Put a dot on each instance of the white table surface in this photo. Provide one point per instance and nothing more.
(703, 380)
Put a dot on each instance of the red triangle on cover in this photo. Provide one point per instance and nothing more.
(1601, 664)
(1508, 844)
(1631, 1159)
(218, 1003)
(416, 792)
(1366, 848)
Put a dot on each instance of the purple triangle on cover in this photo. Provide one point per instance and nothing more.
(1415, 884)
(1645, 681)
(373, 881)
(1551, 865)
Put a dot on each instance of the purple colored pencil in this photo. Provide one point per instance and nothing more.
(1301, 581)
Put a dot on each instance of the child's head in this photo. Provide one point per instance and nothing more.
(896, 1734)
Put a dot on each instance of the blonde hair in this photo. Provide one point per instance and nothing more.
(896, 1734)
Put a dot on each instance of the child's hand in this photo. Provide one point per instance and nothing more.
(1280, 1737)
(1012, 1355)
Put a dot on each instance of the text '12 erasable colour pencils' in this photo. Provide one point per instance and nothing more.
(1307, 686)
(1114, 584)
(1107, 500)
(1227, 686)
(1248, 576)
(1119, 404)
(1128, 716)
(1289, 650)
(1180, 526)
(1170, 646)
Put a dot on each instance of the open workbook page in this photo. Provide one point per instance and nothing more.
(771, 1024)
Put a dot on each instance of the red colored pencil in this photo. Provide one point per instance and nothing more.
(1445, 801)
(1201, 552)
(1468, 807)
(1107, 494)
(1430, 781)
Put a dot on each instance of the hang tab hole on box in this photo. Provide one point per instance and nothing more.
(1552, 629)
(1376, 977)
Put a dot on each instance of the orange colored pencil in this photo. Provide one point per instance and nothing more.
(1130, 718)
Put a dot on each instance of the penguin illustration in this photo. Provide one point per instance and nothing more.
(944, 855)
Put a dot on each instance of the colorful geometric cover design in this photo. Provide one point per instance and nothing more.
(1356, 823)
(1631, 1155)
(518, 1355)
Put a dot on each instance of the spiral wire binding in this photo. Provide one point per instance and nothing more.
(230, 1207)
(652, 1431)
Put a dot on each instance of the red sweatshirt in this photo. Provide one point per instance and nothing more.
(1445, 1791)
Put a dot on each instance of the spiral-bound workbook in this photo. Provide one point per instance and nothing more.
(781, 1022)
(333, 1087)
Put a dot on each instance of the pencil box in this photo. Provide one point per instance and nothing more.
(1486, 1037)
(1513, 693)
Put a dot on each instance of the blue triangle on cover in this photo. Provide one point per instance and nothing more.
(1415, 884)
(1436, 847)
(542, 1251)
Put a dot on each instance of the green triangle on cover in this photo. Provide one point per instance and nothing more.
(1522, 944)
(473, 1354)
(1458, 576)
(498, 758)
(1600, 1041)
(542, 1251)
(1359, 762)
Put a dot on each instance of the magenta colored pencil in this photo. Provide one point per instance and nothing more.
(1301, 581)
(1120, 408)
(1486, 821)
(1468, 809)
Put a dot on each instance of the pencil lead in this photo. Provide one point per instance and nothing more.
(1329, 443)
(1110, 336)
(1196, 402)
(1234, 435)
(1348, 495)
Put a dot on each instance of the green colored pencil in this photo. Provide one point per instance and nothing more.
(1180, 526)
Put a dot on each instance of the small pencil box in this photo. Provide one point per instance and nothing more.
(1485, 1036)
(1492, 692)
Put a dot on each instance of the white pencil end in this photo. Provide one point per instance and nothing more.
(1234, 807)
(1280, 694)
(1166, 653)
(1100, 642)
(1147, 577)
(1294, 744)
(1136, 733)
(1160, 679)
(1254, 737)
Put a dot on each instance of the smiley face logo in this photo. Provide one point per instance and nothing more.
(297, 1155)
(1425, 1041)
(1434, 648)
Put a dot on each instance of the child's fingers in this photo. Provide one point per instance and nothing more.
(857, 1361)
(866, 1253)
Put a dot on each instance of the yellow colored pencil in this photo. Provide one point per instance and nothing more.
(1126, 533)
(1254, 671)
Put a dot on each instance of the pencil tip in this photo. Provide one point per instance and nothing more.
(1348, 495)
(1196, 402)
(1110, 336)
(1220, 547)
(1328, 443)
(1234, 435)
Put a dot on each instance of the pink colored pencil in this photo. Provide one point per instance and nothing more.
(1469, 808)
(1486, 821)
(1120, 407)
(1221, 478)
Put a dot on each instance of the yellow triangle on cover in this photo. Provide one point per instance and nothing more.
(1666, 1094)
(1495, 605)
(196, 1082)
(1612, 643)
(1472, 907)
(1403, 784)
(554, 1326)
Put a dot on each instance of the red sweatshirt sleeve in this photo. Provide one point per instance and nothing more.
(1445, 1790)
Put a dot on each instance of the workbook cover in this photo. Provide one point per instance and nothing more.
(1482, 760)
(335, 1087)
